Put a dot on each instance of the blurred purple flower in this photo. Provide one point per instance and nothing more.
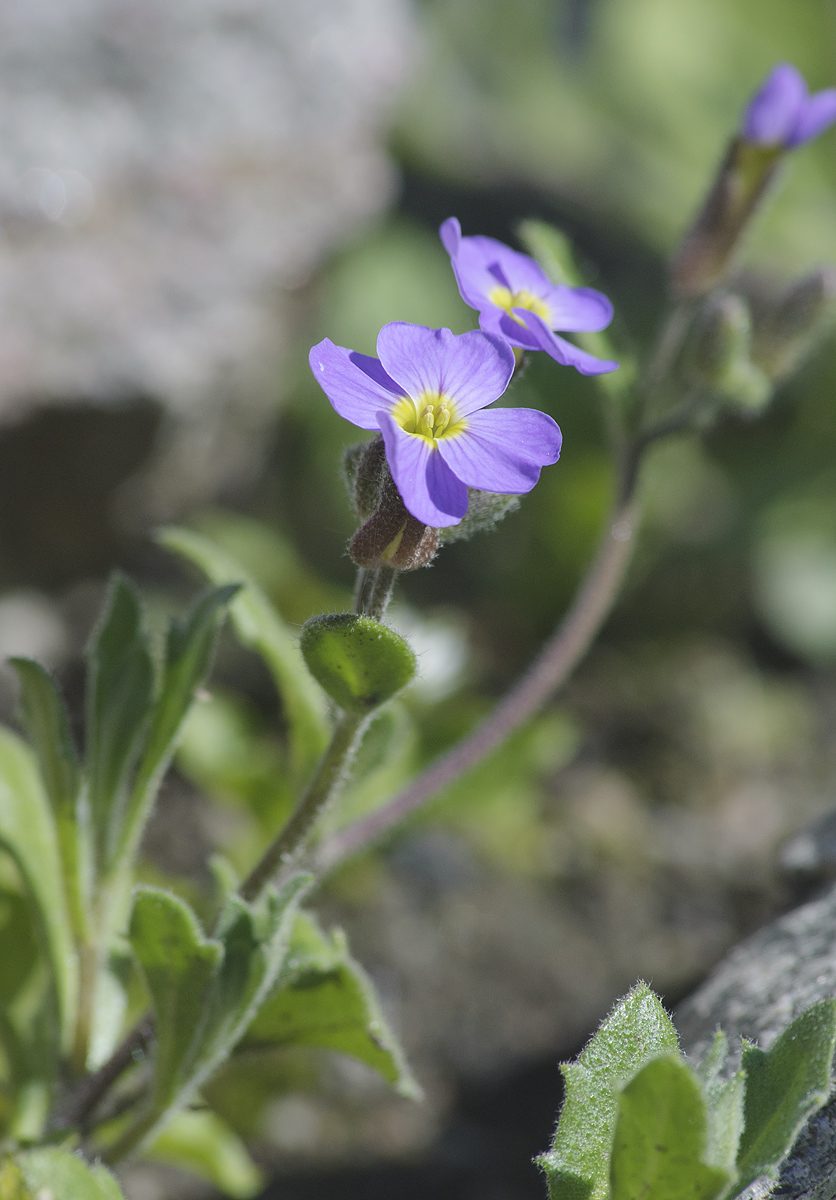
(438, 442)
(518, 301)
(783, 113)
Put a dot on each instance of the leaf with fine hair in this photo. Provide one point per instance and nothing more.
(259, 626)
(28, 832)
(660, 1141)
(204, 991)
(120, 687)
(325, 999)
(200, 1142)
(189, 648)
(52, 1172)
(46, 721)
(637, 1030)
(785, 1085)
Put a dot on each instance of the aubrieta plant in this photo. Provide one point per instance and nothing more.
(127, 1011)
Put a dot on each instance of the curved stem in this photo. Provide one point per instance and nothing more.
(557, 659)
(321, 790)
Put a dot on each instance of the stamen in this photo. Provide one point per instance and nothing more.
(442, 418)
(428, 420)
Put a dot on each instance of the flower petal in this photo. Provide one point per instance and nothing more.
(815, 116)
(356, 384)
(481, 264)
(428, 488)
(559, 349)
(774, 110)
(578, 309)
(473, 369)
(503, 449)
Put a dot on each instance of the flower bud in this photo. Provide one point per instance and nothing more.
(484, 511)
(364, 469)
(706, 253)
(787, 330)
(717, 359)
(392, 536)
(359, 662)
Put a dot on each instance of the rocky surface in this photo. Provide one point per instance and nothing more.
(167, 173)
(755, 992)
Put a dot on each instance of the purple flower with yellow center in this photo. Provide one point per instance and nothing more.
(517, 300)
(427, 394)
(784, 114)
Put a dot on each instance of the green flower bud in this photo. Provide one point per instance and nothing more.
(788, 329)
(359, 662)
(364, 470)
(390, 536)
(716, 360)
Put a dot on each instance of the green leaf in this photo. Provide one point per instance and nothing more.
(258, 625)
(325, 999)
(359, 662)
(28, 833)
(179, 964)
(637, 1030)
(46, 721)
(18, 945)
(660, 1137)
(205, 991)
(724, 1101)
(189, 648)
(50, 1171)
(120, 685)
(784, 1087)
(200, 1142)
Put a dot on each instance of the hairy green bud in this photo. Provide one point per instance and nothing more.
(359, 662)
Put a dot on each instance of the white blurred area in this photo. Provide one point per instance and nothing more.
(168, 172)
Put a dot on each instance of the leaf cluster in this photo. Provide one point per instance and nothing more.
(639, 1122)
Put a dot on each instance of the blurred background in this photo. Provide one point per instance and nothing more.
(190, 196)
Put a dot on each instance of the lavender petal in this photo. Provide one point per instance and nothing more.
(578, 309)
(816, 115)
(503, 449)
(559, 349)
(774, 110)
(472, 369)
(428, 488)
(356, 384)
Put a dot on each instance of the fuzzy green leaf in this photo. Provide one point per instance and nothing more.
(660, 1137)
(50, 1171)
(784, 1087)
(120, 686)
(637, 1030)
(46, 721)
(259, 625)
(724, 1101)
(179, 964)
(28, 832)
(189, 648)
(205, 991)
(325, 999)
(358, 661)
(200, 1142)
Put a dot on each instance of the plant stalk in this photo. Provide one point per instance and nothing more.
(324, 786)
(559, 656)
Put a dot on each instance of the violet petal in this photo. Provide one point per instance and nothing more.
(356, 384)
(472, 369)
(773, 111)
(560, 350)
(428, 488)
(503, 449)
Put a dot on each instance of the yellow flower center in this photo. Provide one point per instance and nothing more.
(503, 297)
(431, 415)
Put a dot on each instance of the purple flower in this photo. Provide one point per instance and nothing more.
(517, 300)
(783, 113)
(426, 394)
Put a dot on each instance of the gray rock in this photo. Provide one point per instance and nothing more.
(167, 173)
(755, 992)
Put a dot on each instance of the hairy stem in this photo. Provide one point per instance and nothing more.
(559, 656)
(322, 789)
(82, 1102)
(373, 591)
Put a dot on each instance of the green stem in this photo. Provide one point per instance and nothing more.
(322, 789)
